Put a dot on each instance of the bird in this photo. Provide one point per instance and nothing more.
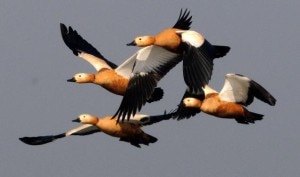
(196, 51)
(238, 92)
(129, 131)
(135, 79)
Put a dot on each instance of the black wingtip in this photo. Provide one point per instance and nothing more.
(262, 94)
(40, 140)
(272, 101)
(69, 37)
(156, 95)
(221, 51)
(184, 20)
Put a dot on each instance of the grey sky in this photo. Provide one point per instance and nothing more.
(37, 100)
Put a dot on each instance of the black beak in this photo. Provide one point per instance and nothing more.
(131, 43)
(76, 120)
(71, 80)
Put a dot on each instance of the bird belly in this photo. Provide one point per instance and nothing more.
(230, 110)
(214, 106)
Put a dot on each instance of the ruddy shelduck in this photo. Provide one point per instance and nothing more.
(135, 79)
(129, 131)
(198, 53)
(237, 93)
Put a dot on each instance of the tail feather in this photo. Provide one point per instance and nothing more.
(131, 141)
(143, 138)
(221, 51)
(156, 95)
(151, 139)
(39, 140)
(250, 117)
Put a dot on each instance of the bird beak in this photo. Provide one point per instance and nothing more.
(131, 43)
(76, 120)
(71, 80)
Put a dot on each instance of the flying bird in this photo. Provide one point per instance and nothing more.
(129, 131)
(135, 79)
(196, 51)
(238, 92)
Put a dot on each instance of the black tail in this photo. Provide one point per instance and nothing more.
(156, 95)
(150, 139)
(142, 138)
(221, 51)
(250, 117)
(39, 140)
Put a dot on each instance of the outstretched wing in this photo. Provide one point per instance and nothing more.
(82, 130)
(184, 20)
(236, 89)
(151, 64)
(80, 47)
(241, 89)
(261, 93)
(40, 140)
(85, 129)
(143, 120)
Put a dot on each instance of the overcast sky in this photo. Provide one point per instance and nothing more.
(36, 99)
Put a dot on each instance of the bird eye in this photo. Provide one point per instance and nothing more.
(140, 39)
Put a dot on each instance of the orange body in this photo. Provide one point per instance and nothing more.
(214, 106)
(168, 39)
(111, 81)
(111, 127)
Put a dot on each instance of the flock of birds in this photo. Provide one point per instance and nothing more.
(136, 79)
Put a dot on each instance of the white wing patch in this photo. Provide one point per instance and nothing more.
(145, 60)
(136, 119)
(235, 88)
(151, 57)
(83, 129)
(192, 37)
(125, 69)
(96, 62)
(208, 90)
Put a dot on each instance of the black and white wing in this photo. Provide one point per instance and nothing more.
(80, 47)
(85, 129)
(241, 89)
(143, 120)
(151, 64)
(198, 59)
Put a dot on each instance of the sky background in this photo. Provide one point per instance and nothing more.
(36, 99)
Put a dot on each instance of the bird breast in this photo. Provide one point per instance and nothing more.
(111, 81)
